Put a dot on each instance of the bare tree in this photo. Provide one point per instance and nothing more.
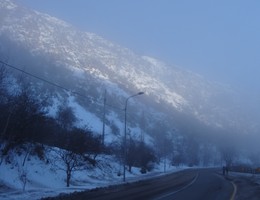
(22, 170)
(2, 78)
(70, 162)
(77, 146)
(191, 146)
(228, 155)
(66, 117)
(163, 143)
(23, 176)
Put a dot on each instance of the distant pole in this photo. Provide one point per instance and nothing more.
(143, 127)
(164, 152)
(139, 93)
(104, 116)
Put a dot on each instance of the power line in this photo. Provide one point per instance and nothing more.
(47, 81)
(57, 85)
(117, 108)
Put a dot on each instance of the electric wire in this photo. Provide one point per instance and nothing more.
(56, 85)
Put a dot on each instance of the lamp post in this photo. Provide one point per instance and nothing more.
(139, 93)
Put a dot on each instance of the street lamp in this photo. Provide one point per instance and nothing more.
(139, 93)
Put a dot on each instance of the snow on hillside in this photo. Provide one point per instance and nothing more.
(7, 4)
(90, 64)
(84, 117)
(45, 180)
(73, 48)
(92, 58)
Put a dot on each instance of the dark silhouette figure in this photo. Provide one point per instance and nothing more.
(227, 170)
(224, 170)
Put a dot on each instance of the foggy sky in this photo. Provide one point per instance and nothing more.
(217, 39)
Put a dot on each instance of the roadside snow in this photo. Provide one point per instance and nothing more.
(254, 177)
(44, 180)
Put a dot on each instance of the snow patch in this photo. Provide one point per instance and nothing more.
(44, 180)
(8, 4)
(85, 118)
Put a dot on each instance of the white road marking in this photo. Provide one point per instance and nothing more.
(183, 188)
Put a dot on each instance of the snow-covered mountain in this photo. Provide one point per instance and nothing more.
(88, 65)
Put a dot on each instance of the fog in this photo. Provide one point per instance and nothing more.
(219, 40)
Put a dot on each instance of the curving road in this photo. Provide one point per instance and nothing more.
(193, 184)
(207, 185)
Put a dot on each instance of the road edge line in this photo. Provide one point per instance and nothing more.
(183, 188)
(234, 192)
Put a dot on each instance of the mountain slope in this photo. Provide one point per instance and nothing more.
(58, 52)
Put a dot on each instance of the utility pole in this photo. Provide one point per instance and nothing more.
(104, 116)
(143, 127)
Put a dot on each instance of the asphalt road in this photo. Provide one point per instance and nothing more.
(197, 184)
(207, 185)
